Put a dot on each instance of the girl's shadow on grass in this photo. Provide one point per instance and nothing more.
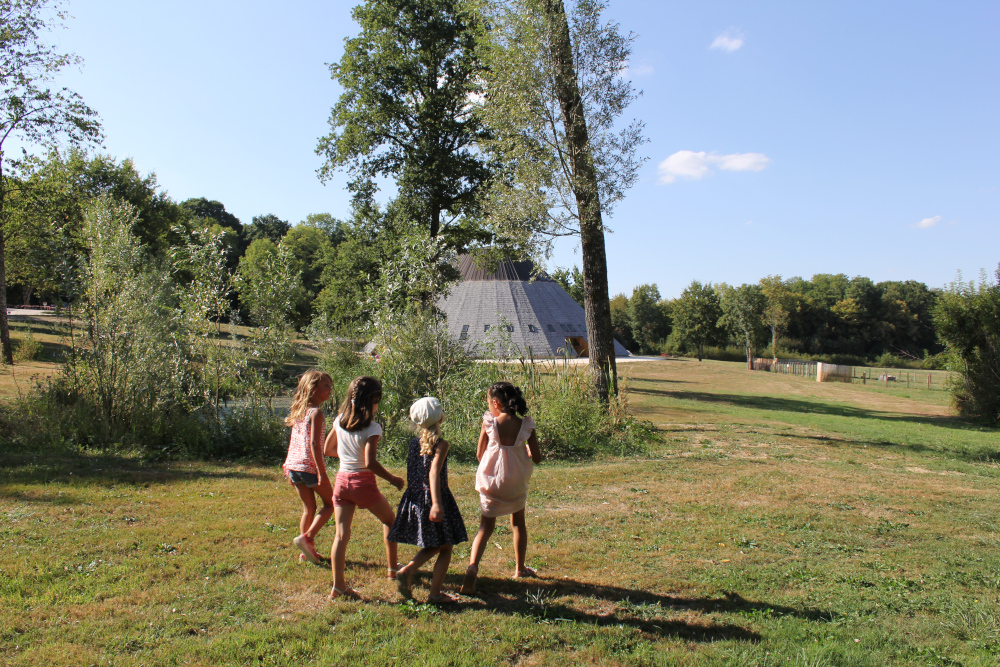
(649, 613)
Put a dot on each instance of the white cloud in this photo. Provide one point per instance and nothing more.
(927, 223)
(637, 70)
(698, 165)
(729, 41)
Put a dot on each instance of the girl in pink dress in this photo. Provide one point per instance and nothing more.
(507, 452)
(305, 466)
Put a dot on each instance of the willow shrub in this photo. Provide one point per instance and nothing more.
(134, 382)
(414, 356)
(967, 317)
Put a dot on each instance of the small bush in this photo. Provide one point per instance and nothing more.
(27, 348)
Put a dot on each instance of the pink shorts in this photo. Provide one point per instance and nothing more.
(356, 488)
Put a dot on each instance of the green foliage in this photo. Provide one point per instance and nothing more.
(968, 321)
(743, 310)
(405, 113)
(269, 287)
(152, 370)
(27, 348)
(203, 304)
(696, 317)
(129, 363)
(269, 227)
(621, 323)
(48, 211)
(648, 319)
(529, 132)
(387, 264)
(571, 280)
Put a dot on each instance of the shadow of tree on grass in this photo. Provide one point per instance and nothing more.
(101, 469)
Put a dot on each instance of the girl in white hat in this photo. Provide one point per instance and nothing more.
(428, 515)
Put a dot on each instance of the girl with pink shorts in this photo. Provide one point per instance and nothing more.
(354, 440)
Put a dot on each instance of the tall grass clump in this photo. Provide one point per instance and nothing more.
(413, 355)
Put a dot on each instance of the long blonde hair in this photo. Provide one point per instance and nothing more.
(429, 437)
(303, 392)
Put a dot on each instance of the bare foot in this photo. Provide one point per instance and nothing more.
(442, 598)
(347, 592)
(525, 572)
(390, 573)
(404, 581)
(469, 583)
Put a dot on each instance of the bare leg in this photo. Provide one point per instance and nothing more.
(384, 513)
(343, 516)
(404, 576)
(486, 526)
(308, 507)
(520, 531)
(325, 492)
(440, 570)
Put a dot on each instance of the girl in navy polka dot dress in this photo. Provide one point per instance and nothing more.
(428, 515)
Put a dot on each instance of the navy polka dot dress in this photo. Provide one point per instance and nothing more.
(413, 524)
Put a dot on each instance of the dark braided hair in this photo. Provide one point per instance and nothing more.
(510, 397)
(358, 408)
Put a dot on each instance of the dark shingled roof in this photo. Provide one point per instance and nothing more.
(541, 319)
(505, 270)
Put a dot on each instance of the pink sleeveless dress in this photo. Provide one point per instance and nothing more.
(504, 472)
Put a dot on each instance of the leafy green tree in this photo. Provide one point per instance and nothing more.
(31, 112)
(968, 321)
(743, 310)
(349, 270)
(269, 227)
(333, 228)
(204, 303)
(906, 317)
(409, 78)
(696, 317)
(269, 286)
(622, 323)
(49, 210)
(212, 216)
(777, 308)
(554, 94)
(649, 321)
(309, 247)
(571, 280)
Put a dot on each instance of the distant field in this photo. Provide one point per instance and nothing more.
(778, 522)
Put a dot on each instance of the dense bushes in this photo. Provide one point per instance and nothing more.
(968, 321)
(414, 357)
(148, 371)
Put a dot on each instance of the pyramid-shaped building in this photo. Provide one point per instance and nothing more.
(541, 318)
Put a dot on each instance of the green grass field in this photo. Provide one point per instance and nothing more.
(778, 521)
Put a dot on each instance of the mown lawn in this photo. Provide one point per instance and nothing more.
(777, 522)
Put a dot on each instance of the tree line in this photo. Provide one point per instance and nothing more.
(829, 315)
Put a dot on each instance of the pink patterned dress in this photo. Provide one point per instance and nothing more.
(504, 471)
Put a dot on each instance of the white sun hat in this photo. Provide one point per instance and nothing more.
(426, 411)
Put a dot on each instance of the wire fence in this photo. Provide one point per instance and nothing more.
(886, 377)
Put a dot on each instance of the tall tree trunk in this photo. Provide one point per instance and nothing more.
(596, 301)
(8, 352)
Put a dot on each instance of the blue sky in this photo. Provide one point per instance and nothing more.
(787, 138)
